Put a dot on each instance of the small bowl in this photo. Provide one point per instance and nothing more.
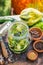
(34, 58)
(37, 31)
(37, 42)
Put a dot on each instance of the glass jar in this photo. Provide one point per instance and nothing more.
(18, 37)
(5, 7)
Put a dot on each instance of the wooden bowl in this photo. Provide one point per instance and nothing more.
(34, 58)
(39, 32)
(37, 42)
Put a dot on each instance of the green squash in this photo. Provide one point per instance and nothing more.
(5, 7)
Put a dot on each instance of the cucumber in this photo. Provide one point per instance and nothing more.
(7, 8)
(1, 2)
(1, 10)
(6, 20)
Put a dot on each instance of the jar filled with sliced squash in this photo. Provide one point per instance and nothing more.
(18, 37)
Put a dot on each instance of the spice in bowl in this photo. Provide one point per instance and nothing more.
(36, 33)
(38, 46)
(32, 55)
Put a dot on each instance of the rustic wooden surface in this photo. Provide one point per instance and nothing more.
(22, 59)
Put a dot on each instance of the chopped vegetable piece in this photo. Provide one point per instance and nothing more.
(39, 25)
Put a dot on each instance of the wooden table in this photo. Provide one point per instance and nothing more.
(22, 59)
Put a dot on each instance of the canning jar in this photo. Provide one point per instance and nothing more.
(18, 37)
(5, 7)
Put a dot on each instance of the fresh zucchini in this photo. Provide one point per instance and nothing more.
(4, 20)
(7, 8)
(2, 3)
(1, 10)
